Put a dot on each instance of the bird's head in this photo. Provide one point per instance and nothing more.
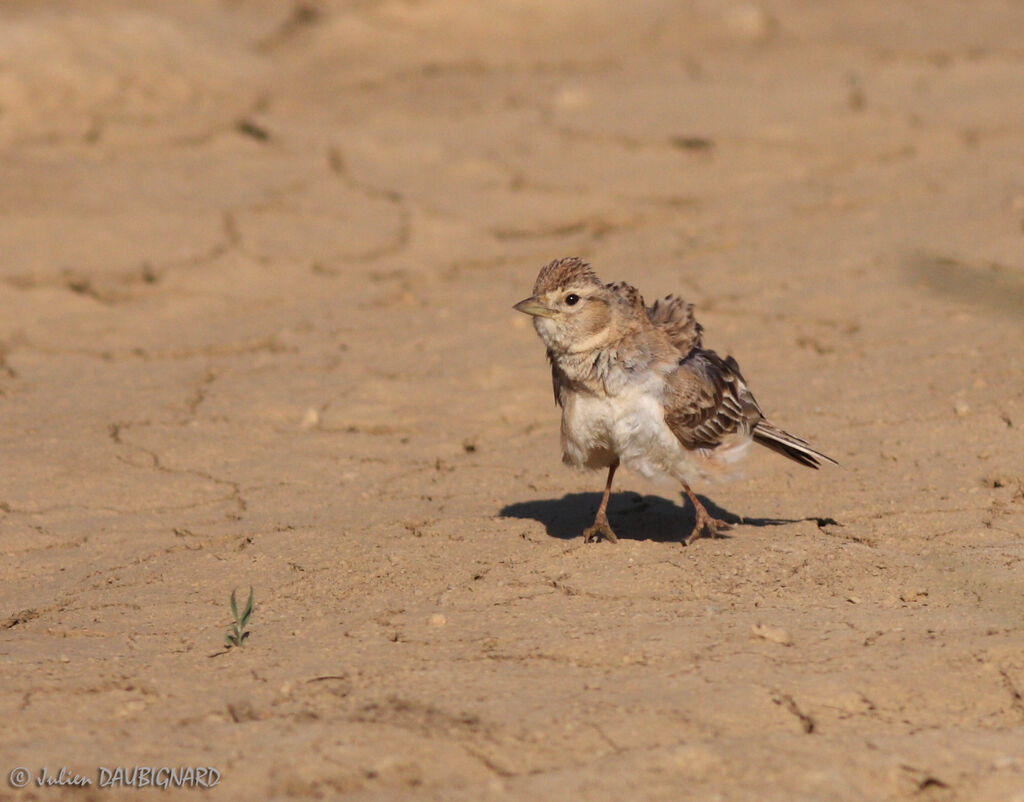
(571, 308)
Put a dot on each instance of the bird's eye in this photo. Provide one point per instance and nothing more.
(572, 299)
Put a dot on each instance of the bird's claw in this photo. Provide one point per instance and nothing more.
(601, 528)
(705, 523)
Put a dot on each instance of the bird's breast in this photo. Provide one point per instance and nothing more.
(587, 427)
(627, 424)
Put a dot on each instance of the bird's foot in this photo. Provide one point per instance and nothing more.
(601, 528)
(704, 522)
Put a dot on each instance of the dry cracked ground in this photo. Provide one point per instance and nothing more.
(257, 261)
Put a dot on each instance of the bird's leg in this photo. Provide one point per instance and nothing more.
(601, 525)
(702, 519)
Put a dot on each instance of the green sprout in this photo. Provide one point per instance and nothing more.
(237, 634)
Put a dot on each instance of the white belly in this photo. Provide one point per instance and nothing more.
(631, 427)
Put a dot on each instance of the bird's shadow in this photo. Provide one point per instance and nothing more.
(631, 515)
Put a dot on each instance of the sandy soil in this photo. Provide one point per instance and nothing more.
(257, 262)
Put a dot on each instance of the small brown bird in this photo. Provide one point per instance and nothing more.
(636, 387)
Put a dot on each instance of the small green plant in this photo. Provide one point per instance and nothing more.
(237, 634)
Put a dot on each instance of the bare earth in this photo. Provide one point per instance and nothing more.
(257, 262)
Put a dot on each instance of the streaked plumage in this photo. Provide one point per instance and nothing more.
(637, 387)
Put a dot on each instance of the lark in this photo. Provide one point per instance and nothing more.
(637, 388)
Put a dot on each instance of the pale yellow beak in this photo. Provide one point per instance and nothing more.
(531, 306)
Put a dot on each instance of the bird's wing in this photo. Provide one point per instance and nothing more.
(627, 295)
(707, 400)
(675, 317)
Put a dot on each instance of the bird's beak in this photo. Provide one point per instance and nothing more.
(531, 306)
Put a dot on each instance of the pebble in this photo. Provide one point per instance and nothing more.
(771, 634)
(749, 21)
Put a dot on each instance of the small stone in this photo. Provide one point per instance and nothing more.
(572, 97)
(310, 419)
(242, 710)
(695, 761)
(962, 409)
(437, 620)
(749, 21)
(771, 634)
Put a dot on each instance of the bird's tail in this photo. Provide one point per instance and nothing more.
(771, 436)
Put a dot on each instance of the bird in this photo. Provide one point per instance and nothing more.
(637, 388)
